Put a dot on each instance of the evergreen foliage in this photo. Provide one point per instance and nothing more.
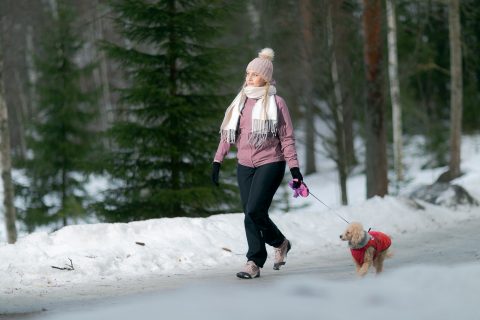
(470, 19)
(424, 60)
(61, 144)
(167, 129)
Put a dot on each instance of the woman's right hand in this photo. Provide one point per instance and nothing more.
(215, 172)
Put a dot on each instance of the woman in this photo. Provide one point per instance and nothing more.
(258, 123)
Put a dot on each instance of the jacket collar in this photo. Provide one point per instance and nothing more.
(361, 244)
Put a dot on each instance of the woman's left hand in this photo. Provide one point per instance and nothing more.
(295, 171)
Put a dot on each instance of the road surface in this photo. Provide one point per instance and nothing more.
(442, 247)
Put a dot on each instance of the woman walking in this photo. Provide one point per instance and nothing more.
(258, 123)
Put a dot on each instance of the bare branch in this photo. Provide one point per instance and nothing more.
(68, 267)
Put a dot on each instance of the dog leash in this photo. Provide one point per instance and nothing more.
(334, 210)
(303, 191)
(329, 208)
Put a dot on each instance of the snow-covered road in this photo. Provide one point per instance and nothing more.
(445, 247)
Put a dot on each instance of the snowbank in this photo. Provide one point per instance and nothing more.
(182, 245)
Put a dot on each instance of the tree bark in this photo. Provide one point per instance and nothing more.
(307, 58)
(341, 158)
(32, 73)
(456, 97)
(107, 112)
(376, 137)
(344, 33)
(395, 89)
(348, 104)
(20, 115)
(6, 163)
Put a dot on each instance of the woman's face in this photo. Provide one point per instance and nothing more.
(254, 79)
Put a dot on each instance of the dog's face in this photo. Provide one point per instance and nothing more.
(354, 233)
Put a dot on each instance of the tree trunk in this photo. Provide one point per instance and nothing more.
(394, 89)
(107, 112)
(456, 103)
(64, 199)
(349, 132)
(53, 8)
(20, 115)
(376, 137)
(341, 158)
(307, 58)
(8, 194)
(344, 34)
(32, 74)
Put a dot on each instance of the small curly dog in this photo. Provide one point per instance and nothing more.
(367, 248)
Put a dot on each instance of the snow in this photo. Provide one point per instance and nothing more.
(437, 293)
(103, 254)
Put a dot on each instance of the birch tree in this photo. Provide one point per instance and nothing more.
(394, 89)
(8, 193)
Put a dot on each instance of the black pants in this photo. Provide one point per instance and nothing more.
(257, 188)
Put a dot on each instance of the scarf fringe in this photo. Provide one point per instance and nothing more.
(228, 136)
(261, 130)
(264, 121)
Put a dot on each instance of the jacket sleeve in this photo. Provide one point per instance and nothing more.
(286, 135)
(222, 151)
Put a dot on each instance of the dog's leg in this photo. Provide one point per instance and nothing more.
(364, 268)
(367, 262)
(357, 266)
(379, 261)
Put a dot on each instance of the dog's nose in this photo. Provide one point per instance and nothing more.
(340, 236)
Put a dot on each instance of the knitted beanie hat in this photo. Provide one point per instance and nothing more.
(263, 64)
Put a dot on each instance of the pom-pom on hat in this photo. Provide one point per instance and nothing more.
(263, 64)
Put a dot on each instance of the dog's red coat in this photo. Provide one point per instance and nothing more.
(379, 240)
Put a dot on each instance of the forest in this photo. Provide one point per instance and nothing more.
(132, 92)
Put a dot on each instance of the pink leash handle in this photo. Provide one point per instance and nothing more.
(302, 190)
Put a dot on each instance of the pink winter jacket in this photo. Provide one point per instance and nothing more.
(274, 149)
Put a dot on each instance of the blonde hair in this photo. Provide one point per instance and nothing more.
(265, 99)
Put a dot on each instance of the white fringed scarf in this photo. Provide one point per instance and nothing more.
(264, 115)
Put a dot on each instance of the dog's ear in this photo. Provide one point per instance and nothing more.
(357, 233)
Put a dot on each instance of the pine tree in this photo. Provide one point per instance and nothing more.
(60, 141)
(171, 111)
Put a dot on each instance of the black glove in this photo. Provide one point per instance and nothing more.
(296, 175)
(215, 172)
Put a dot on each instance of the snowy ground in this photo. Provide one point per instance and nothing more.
(108, 261)
(437, 293)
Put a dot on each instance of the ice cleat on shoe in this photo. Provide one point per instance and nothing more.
(281, 254)
(250, 271)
